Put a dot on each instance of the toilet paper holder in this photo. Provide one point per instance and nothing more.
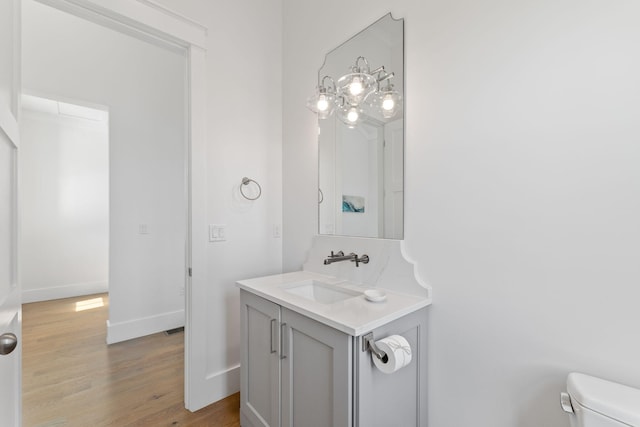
(368, 343)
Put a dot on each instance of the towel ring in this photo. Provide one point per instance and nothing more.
(246, 181)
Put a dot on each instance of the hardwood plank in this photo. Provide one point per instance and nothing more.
(72, 378)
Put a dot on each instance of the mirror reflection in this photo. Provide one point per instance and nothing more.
(359, 103)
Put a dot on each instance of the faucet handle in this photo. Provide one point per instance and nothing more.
(363, 259)
(340, 253)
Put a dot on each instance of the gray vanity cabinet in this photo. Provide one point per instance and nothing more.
(297, 372)
(294, 371)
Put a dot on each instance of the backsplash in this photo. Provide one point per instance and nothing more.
(388, 268)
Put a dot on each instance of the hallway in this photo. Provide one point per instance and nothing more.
(72, 378)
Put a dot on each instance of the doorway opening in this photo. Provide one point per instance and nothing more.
(64, 199)
(144, 251)
(159, 26)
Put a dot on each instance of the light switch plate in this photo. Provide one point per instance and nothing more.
(217, 232)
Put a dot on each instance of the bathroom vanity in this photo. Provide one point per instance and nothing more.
(342, 343)
(305, 360)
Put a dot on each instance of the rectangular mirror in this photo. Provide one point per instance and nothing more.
(360, 105)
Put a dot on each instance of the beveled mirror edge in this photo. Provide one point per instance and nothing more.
(404, 127)
(390, 15)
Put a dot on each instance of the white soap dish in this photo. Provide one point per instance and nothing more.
(375, 295)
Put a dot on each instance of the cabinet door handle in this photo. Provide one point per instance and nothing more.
(283, 333)
(273, 323)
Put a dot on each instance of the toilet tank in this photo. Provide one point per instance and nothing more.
(600, 403)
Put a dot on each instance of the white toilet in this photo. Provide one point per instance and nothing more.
(593, 402)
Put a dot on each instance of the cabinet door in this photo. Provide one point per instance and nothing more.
(260, 363)
(316, 374)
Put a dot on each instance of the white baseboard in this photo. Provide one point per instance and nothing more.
(218, 386)
(64, 291)
(136, 328)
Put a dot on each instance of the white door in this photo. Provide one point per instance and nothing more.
(10, 308)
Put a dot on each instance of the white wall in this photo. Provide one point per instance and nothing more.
(64, 206)
(143, 86)
(244, 138)
(522, 186)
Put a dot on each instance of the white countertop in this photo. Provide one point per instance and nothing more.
(354, 316)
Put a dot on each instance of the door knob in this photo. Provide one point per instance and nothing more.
(8, 343)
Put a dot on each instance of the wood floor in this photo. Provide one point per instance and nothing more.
(72, 378)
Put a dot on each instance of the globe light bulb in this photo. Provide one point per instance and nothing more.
(352, 115)
(322, 103)
(355, 87)
(388, 103)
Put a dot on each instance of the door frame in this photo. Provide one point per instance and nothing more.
(152, 22)
(9, 114)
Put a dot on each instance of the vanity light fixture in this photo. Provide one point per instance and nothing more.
(359, 83)
(323, 101)
(386, 100)
(349, 94)
(352, 115)
(349, 114)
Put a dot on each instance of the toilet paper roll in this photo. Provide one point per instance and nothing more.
(398, 353)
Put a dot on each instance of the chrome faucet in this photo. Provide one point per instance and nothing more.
(340, 256)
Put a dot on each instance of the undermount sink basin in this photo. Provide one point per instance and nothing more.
(319, 291)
